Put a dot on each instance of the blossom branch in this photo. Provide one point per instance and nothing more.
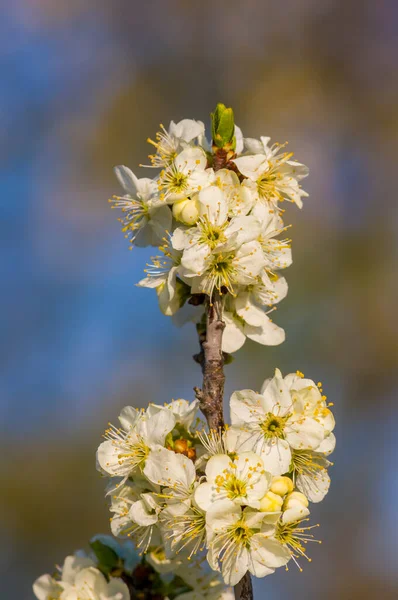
(211, 360)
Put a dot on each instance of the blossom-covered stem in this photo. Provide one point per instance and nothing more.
(244, 589)
(211, 395)
(212, 362)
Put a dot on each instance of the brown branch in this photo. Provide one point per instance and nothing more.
(211, 360)
(211, 395)
(244, 589)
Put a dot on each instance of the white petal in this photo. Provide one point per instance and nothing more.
(92, 579)
(241, 440)
(168, 297)
(253, 146)
(155, 429)
(258, 569)
(276, 457)
(251, 314)
(160, 223)
(252, 166)
(216, 465)
(108, 459)
(140, 514)
(249, 262)
(190, 159)
(269, 552)
(246, 407)
(304, 433)
(269, 334)
(328, 444)
(239, 140)
(70, 593)
(233, 337)
(241, 230)
(265, 141)
(194, 260)
(146, 236)
(129, 417)
(295, 513)
(298, 170)
(235, 565)
(151, 282)
(186, 129)
(117, 590)
(180, 238)
(46, 587)
(254, 518)
(277, 389)
(314, 487)
(165, 467)
(127, 179)
(203, 496)
(213, 205)
(146, 189)
(222, 514)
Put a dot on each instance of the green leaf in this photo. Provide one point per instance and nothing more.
(107, 558)
(228, 358)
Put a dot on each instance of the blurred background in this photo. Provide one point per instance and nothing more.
(84, 82)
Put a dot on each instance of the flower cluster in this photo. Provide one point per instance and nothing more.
(241, 494)
(114, 571)
(216, 217)
(206, 507)
(79, 577)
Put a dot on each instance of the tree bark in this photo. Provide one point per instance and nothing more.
(211, 394)
(244, 589)
(211, 360)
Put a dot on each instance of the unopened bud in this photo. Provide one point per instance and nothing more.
(223, 127)
(295, 499)
(191, 453)
(282, 485)
(181, 446)
(295, 507)
(186, 211)
(271, 503)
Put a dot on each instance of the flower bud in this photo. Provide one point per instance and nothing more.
(295, 507)
(181, 446)
(282, 485)
(294, 499)
(191, 453)
(271, 503)
(186, 211)
(223, 127)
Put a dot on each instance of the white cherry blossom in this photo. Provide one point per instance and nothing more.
(293, 536)
(310, 473)
(128, 447)
(80, 580)
(185, 176)
(272, 176)
(146, 219)
(162, 275)
(237, 545)
(174, 472)
(253, 323)
(184, 412)
(169, 142)
(241, 480)
(278, 421)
